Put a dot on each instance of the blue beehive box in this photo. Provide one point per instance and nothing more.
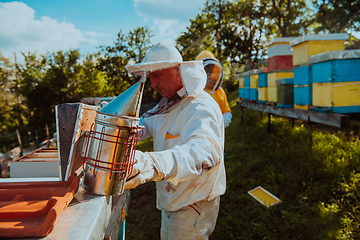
(247, 93)
(253, 94)
(262, 80)
(303, 95)
(241, 93)
(302, 75)
(336, 66)
(247, 81)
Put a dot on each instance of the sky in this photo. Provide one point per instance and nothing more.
(40, 26)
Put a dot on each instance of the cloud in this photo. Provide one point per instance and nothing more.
(20, 31)
(170, 17)
(93, 34)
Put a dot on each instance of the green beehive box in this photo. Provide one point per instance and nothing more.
(285, 87)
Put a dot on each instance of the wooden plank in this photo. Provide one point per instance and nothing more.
(42, 155)
(331, 119)
(121, 204)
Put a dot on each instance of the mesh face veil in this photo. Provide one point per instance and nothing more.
(214, 73)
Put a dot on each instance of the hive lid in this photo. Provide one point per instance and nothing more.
(32, 209)
(319, 37)
(334, 55)
(252, 72)
(281, 40)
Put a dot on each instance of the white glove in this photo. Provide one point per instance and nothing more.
(227, 118)
(144, 170)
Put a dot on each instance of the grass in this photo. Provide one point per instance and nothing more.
(318, 184)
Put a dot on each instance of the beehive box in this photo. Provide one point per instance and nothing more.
(309, 45)
(280, 63)
(247, 80)
(336, 66)
(241, 93)
(272, 76)
(241, 87)
(279, 46)
(336, 81)
(253, 94)
(303, 75)
(272, 94)
(42, 162)
(262, 79)
(280, 54)
(254, 81)
(241, 82)
(285, 92)
(262, 94)
(247, 93)
(302, 97)
(303, 87)
(337, 97)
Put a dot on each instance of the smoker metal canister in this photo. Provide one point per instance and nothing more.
(109, 153)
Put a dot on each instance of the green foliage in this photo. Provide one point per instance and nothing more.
(337, 16)
(128, 49)
(289, 17)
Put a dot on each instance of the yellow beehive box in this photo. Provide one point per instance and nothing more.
(254, 81)
(272, 76)
(336, 94)
(272, 94)
(263, 94)
(241, 82)
(309, 45)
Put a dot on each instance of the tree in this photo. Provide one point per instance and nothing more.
(290, 17)
(128, 49)
(337, 16)
(9, 109)
(232, 30)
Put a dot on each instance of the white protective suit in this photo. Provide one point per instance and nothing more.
(188, 145)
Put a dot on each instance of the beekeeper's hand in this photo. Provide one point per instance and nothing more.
(227, 118)
(144, 170)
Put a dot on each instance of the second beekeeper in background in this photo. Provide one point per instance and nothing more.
(188, 136)
(215, 74)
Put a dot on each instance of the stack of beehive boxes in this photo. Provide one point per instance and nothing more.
(280, 65)
(243, 91)
(248, 85)
(262, 85)
(304, 48)
(336, 81)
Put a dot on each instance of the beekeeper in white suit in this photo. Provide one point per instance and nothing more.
(188, 134)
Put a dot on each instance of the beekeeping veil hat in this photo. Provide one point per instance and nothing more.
(213, 69)
(163, 56)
